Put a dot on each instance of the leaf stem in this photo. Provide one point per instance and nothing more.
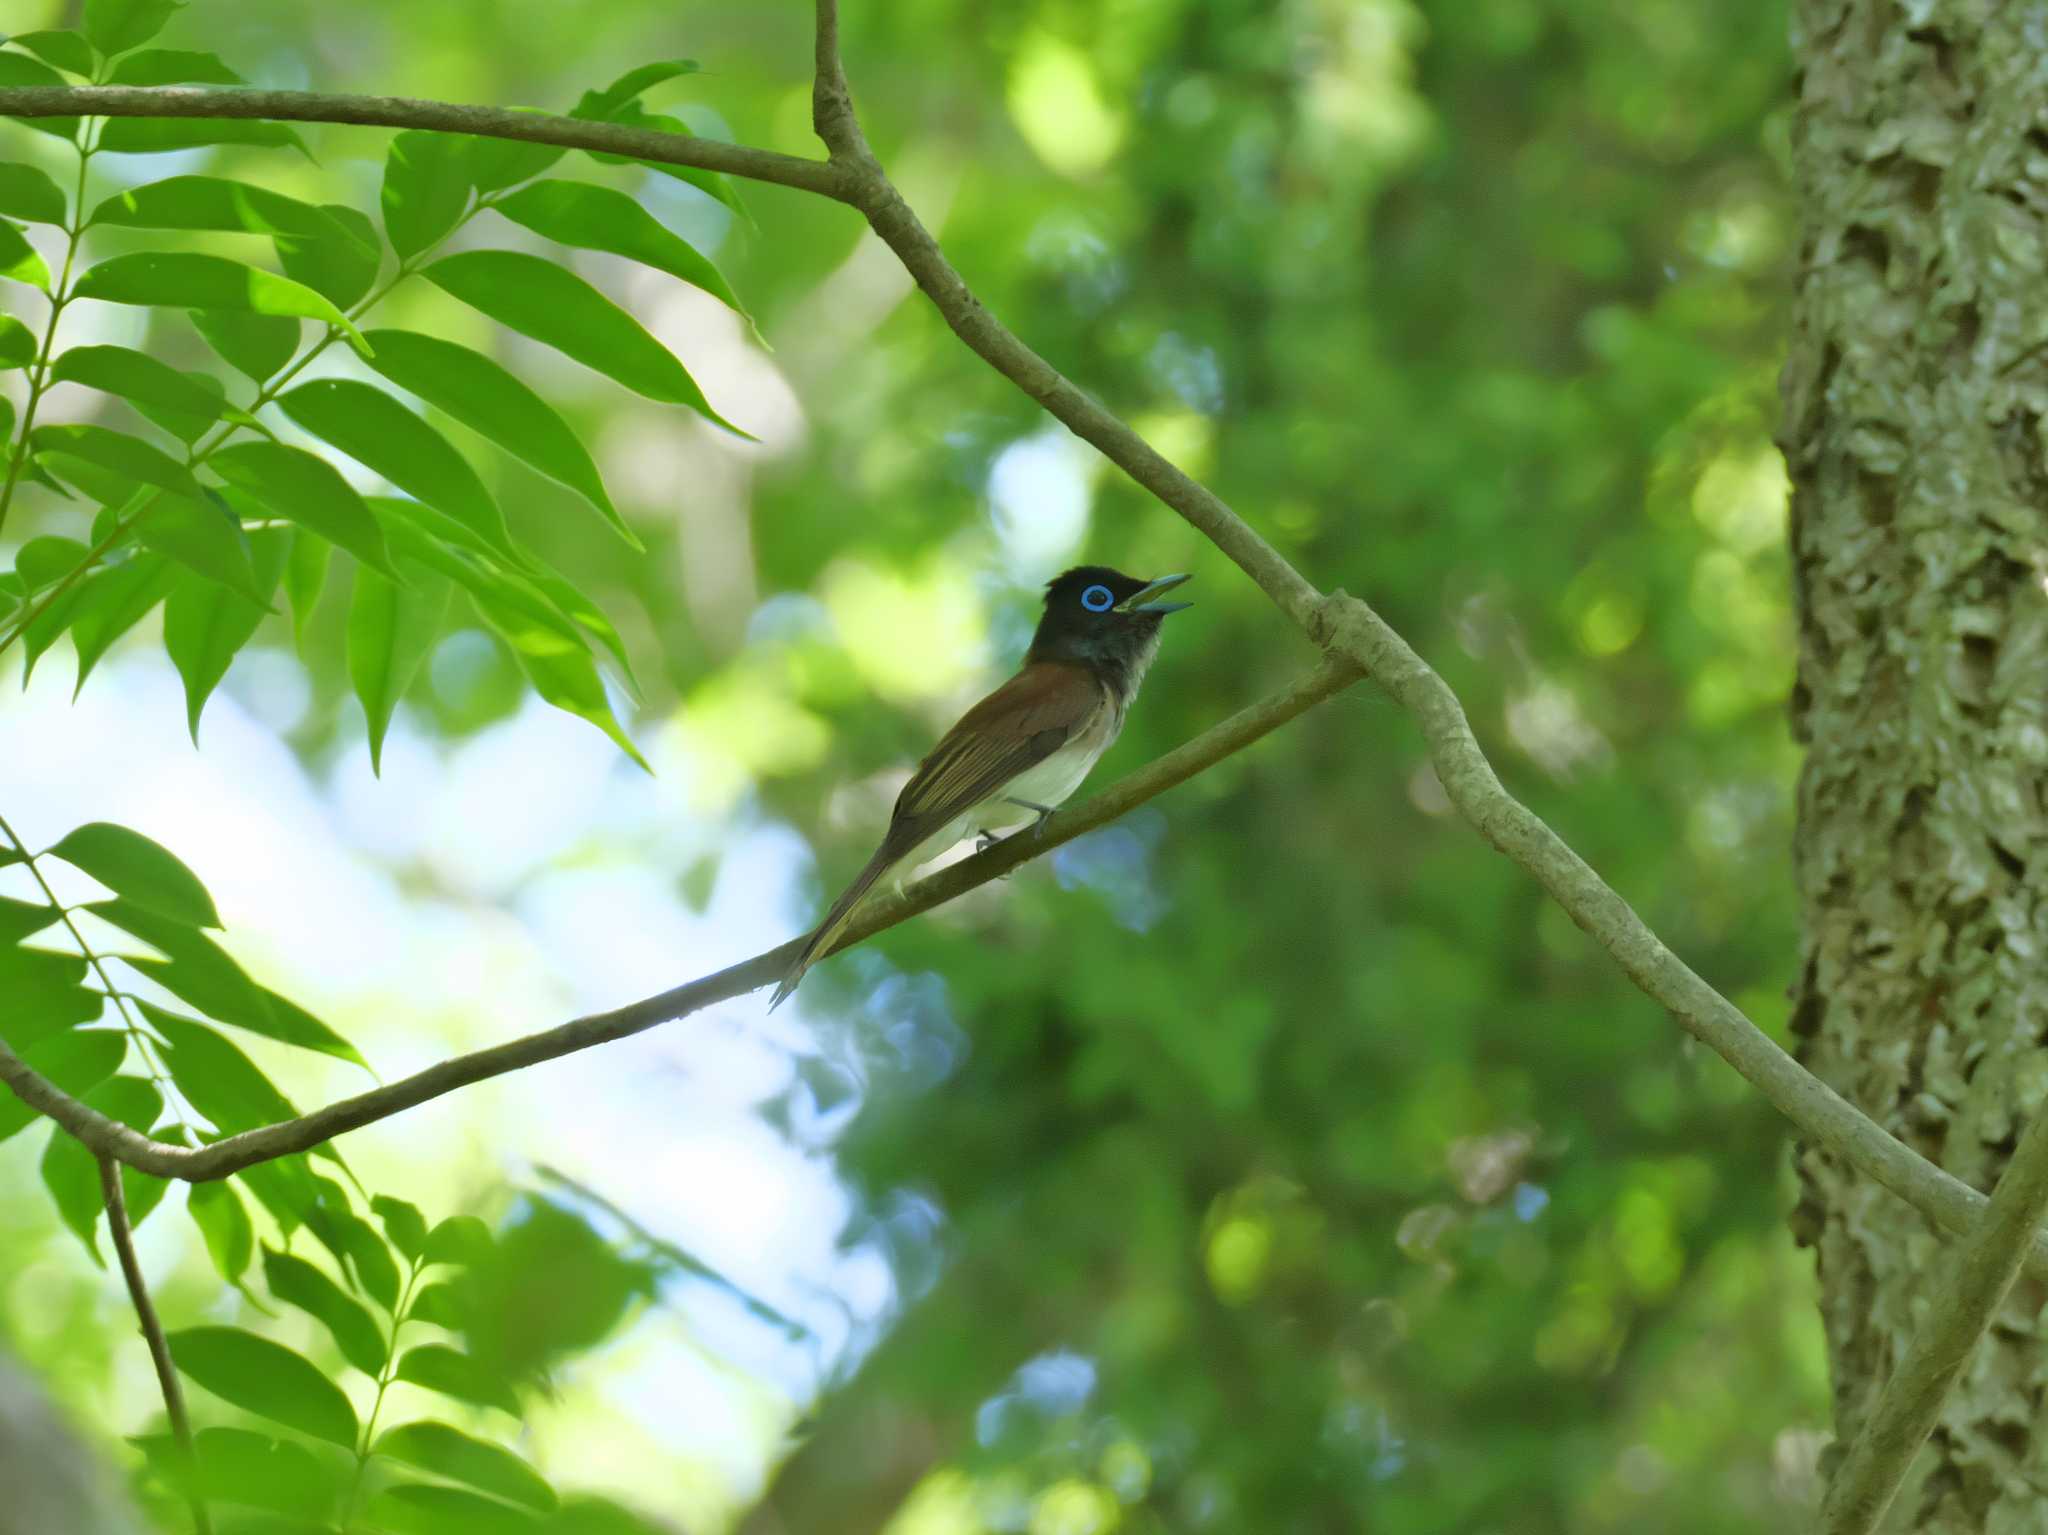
(39, 373)
(384, 1380)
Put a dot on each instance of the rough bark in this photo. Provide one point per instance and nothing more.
(1914, 399)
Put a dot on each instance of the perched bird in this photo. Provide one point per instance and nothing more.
(1027, 746)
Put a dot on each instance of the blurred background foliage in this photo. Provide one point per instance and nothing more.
(1277, 1159)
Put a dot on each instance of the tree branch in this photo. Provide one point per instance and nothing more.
(153, 1333)
(109, 1137)
(437, 116)
(1964, 1299)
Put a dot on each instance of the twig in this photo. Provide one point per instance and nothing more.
(1964, 1299)
(153, 1332)
(111, 1138)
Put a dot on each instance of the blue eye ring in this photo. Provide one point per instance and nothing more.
(1098, 599)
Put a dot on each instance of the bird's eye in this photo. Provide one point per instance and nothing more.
(1098, 599)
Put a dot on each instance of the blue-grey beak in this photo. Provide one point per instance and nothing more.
(1141, 601)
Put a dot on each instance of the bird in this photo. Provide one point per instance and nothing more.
(1016, 755)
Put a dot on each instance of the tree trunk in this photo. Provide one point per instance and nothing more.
(1914, 399)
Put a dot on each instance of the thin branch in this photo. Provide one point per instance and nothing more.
(1964, 1299)
(111, 1138)
(153, 1333)
(437, 116)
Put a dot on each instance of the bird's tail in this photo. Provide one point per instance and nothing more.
(827, 932)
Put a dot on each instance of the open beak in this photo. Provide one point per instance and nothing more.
(1141, 601)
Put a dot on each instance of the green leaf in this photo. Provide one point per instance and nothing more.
(27, 193)
(188, 429)
(443, 1369)
(355, 1243)
(19, 919)
(215, 1076)
(390, 630)
(712, 184)
(139, 461)
(72, 1174)
(47, 558)
(561, 671)
(205, 624)
(284, 1187)
(189, 280)
(305, 575)
(157, 135)
(461, 1240)
(267, 1379)
(599, 218)
(45, 994)
(67, 50)
(403, 1223)
(495, 164)
(20, 69)
(539, 299)
(488, 400)
(304, 488)
(382, 435)
(139, 870)
(136, 377)
(570, 601)
(172, 66)
(426, 189)
(298, 1283)
(587, 1515)
(223, 1221)
(75, 1060)
(601, 105)
(250, 1470)
(199, 971)
(18, 344)
(450, 1453)
(438, 1304)
(342, 268)
(115, 26)
(414, 1508)
(108, 603)
(254, 345)
(19, 260)
(214, 202)
(206, 539)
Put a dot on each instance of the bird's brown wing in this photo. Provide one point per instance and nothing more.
(1015, 728)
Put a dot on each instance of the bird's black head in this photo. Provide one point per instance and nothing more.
(1103, 618)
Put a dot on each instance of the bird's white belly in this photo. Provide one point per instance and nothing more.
(1050, 783)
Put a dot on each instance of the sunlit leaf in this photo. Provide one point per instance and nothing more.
(214, 202)
(190, 280)
(254, 345)
(206, 624)
(303, 488)
(108, 603)
(403, 1224)
(600, 218)
(172, 66)
(139, 870)
(137, 377)
(498, 163)
(156, 135)
(115, 26)
(415, 1508)
(561, 671)
(426, 189)
(205, 539)
(18, 344)
(140, 462)
(71, 1173)
(450, 1453)
(75, 1060)
(305, 576)
(20, 69)
(267, 1379)
(713, 184)
(488, 400)
(382, 435)
(459, 1240)
(27, 193)
(18, 919)
(355, 1244)
(67, 50)
(298, 1283)
(452, 1373)
(341, 268)
(230, 1237)
(600, 105)
(439, 1304)
(219, 1080)
(46, 993)
(390, 630)
(251, 1470)
(19, 259)
(541, 300)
